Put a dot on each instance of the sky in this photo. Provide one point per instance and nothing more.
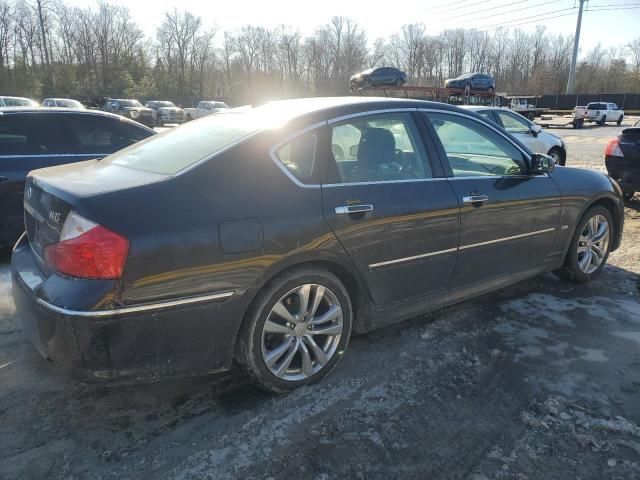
(609, 22)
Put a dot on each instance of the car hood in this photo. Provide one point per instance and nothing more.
(138, 109)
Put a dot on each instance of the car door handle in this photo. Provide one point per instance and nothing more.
(475, 199)
(347, 209)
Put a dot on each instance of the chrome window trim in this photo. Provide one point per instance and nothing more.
(463, 247)
(38, 155)
(410, 180)
(480, 177)
(287, 139)
(459, 114)
(370, 112)
(136, 309)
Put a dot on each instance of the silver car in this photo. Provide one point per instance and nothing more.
(532, 135)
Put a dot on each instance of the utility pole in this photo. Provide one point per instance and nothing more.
(574, 58)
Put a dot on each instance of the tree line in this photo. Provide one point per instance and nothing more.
(50, 48)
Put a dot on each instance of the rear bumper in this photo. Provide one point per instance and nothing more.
(625, 172)
(142, 343)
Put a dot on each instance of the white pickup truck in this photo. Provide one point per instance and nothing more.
(205, 108)
(600, 112)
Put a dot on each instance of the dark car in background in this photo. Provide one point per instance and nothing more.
(32, 138)
(622, 158)
(132, 109)
(166, 112)
(472, 81)
(378, 76)
(244, 236)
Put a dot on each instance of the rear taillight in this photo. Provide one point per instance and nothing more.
(87, 250)
(613, 149)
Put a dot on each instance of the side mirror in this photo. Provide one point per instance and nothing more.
(541, 163)
(535, 129)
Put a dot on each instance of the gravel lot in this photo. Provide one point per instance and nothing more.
(540, 380)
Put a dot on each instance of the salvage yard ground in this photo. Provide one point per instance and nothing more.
(540, 380)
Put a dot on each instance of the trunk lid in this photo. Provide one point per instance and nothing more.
(51, 193)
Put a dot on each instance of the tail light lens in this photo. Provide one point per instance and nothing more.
(613, 149)
(87, 250)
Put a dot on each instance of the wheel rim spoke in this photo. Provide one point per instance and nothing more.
(597, 254)
(601, 233)
(334, 329)
(281, 310)
(273, 327)
(293, 349)
(303, 294)
(317, 298)
(277, 353)
(307, 364)
(321, 357)
(586, 260)
(333, 313)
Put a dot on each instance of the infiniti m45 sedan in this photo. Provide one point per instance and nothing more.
(269, 237)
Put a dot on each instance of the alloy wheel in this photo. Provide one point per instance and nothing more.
(302, 332)
(593, 244)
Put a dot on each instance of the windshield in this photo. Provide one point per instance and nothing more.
(19, 102)
(130, 103)
(68, 103)
(165, 104)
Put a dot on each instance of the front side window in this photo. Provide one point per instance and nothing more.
(474, 149)
(377, 148)
(512, 123)
(299, 155)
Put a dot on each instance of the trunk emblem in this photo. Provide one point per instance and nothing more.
(54, 216)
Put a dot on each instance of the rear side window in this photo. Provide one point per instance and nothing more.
(34, 134)
(177, 149)
(513, 124)
(96, 134)
(299, 155)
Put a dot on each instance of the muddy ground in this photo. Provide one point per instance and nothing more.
(540, 380)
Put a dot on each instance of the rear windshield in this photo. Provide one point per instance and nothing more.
(597, 106)
(163, 104)
(177, 149)
(130, 103)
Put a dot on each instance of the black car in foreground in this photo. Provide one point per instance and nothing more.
(270, 236)
(622, 158)
(379, 76)
(32, 138)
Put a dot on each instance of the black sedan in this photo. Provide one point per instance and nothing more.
(269, 236)
(622, 158)
(472, 82)
(32, 138)
(376, 77)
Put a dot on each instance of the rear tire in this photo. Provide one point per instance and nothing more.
(399, 82)
(589, 248)
(277, 344)
(602, 121)
(619, 122)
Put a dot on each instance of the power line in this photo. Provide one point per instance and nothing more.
(449, 6)
(510, 11)
(504, 23)
(591, 9)
(483, 9)
(453, 8)
(530, 21)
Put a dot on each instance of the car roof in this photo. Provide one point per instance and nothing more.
(474, 108)
(61, 98)
(57, 111)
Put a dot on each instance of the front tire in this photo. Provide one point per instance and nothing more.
(558, 155)
(297, 329)
(603, 120)
(399, 82)
(189, 117)
(589, 248)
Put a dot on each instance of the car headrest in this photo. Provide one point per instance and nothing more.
(377, 146)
